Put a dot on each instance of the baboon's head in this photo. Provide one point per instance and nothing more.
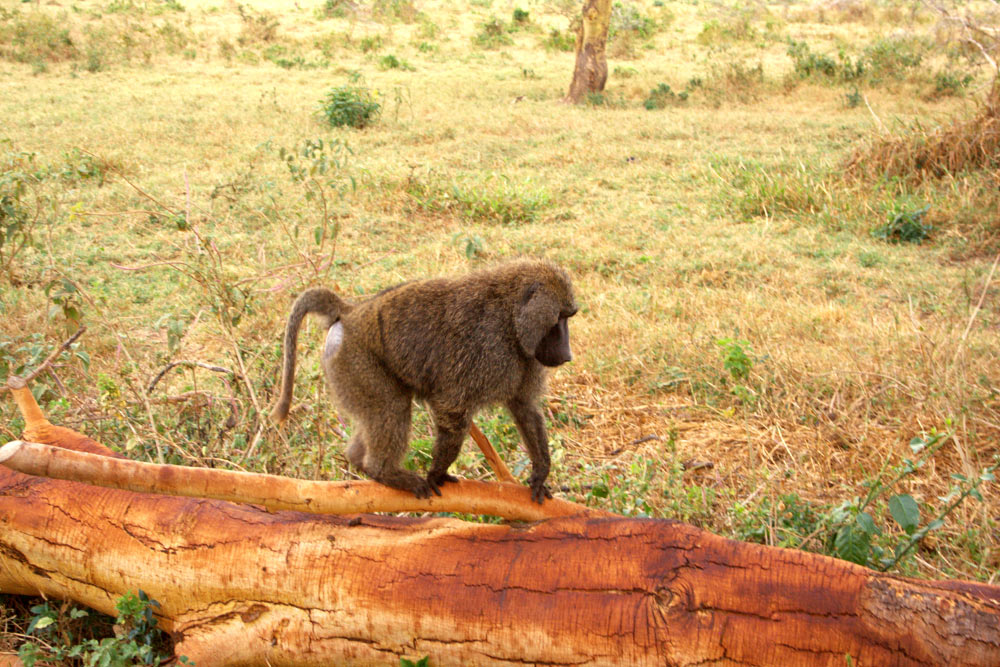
(546, 305)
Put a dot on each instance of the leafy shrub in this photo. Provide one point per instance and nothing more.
(336, 9)
(35, 37)
(883, 59)
(892, 57)
(560, 41)
(739, 29)
(399, 10)
(390, 61)
(730, 82)
(493, 34)
(139, 640)
(853, 533)
(782, 523)
(257, 26)
(624, 72)
(905, 226)
(372, 43)
(819, 65)
(951, 84)
(354, 106)
(521, 16)
(18, 217)
(627, 19)
(662, 96)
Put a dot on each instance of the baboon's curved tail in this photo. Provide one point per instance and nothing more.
(316, 301)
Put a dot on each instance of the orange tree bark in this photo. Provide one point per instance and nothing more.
(591, 70)
(240, 585)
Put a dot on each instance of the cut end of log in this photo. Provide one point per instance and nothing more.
(10, 449)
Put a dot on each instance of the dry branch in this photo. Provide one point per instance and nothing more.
(511, 501)
(240, 585)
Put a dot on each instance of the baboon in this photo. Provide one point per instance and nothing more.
(458, 344)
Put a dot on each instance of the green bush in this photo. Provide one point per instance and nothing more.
(947, 84)
(560, 41)
(336, 9)
(905, 226)
(390, 61)
(354, 106)
(892, 57)
(626, 18)
(35, 37)
(55, 639)
(819, 65)
(493, 34)
(663, 96)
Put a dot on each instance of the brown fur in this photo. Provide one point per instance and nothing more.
(459, 344)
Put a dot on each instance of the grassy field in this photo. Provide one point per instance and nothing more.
(767, 335)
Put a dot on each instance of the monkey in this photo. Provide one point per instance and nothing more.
(457, 344)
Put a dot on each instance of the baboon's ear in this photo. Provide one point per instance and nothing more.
(538, 314)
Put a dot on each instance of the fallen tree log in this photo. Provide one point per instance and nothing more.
(239, 585)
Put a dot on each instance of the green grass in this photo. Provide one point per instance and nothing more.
(742, 330)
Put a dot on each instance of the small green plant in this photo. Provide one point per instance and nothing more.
(662, 96)
(66, 299)
(905, 226)
(35, 37)
(22, 357)
(423, 662)
(472, 244)
(736, 357)
(809, 65)
(783, 522)
(336, 9)
(320, 166)
(390, 61)
(60, 636)
(737, 29)
(853, 99)
(394, 10)
(351, 106)
(257, 26)
(626, 18)
(371, 43)
(20, 178)
(948, 84)
(521, 16)
(560, 41)
(493, 34)
(892, 57)
(852, 531)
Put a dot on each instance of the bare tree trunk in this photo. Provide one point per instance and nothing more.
(591, 71)
(241, 585)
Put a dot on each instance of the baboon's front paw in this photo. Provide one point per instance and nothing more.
(422, 489)
(539, 492)
(438, 479)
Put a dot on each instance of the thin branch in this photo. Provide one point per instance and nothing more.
(188, 363)
(52, 357)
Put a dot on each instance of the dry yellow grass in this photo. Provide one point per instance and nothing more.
(857, 346)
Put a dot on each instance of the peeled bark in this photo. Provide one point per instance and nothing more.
(239, 585)
(591, 71)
